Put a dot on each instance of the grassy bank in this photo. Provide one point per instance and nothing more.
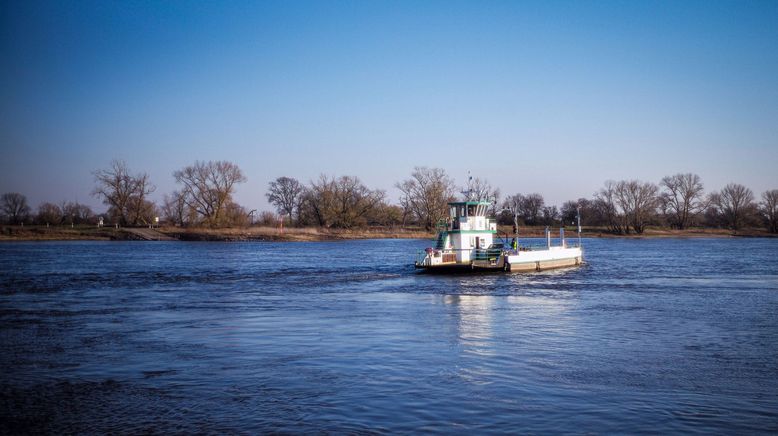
(92, 233)
(61, 233)
(290, 234)
(650, 232)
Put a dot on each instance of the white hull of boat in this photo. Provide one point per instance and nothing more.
(511, 260)
(554, 257)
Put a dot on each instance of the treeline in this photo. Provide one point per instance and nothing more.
(206, 189)
(678, 201)
(622, 207)
(204, 199)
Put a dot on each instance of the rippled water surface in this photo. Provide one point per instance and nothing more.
(654, 336)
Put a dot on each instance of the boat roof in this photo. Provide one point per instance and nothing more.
(470, 203)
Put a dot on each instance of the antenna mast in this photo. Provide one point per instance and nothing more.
(468, 193)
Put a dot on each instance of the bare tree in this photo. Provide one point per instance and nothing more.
(512, 207)
(570, 210)
(236, 215)
(268, 219)
(712, 214)
(529, 208)
(427, 194)
(284, 193)
(141, 210)
(405, 205)
(14, 207)
(208, 188)
(769, 209)
(76, 213)
(735, 203)
(175, 210)
(550, 215)
(145, 212)
(606, 207)
(532, 208)
(124, 193)
(318, 200)
(626, 205)
(354, 201)
(682, 198)
(49, 213)
(385, 214)
(342, 202)
(478, 189)
(638, 202)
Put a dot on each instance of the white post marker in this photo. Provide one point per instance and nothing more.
(578, 216)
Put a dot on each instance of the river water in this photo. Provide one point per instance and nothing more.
(650, 336)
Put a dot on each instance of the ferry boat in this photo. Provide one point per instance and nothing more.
(468, 240)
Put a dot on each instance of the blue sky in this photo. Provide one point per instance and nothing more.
(550, 97)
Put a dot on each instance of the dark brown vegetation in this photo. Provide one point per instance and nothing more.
(682, 199)
(425, 196)
(769, 209)
(206, 194)
(249, 233)
(63, 233)
(333, 207)
(125, 194)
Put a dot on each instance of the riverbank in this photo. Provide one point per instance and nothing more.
(258, 233)
(291, 234)
(62, 233)
(254, 233)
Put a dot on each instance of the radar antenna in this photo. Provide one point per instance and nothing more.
(469, 193)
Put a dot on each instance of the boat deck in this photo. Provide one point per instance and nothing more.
(511, 260)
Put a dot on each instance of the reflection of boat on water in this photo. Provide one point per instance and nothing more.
(467, 240)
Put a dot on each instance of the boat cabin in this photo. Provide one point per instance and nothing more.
(466, 230)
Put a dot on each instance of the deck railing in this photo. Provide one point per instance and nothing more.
(450, 254)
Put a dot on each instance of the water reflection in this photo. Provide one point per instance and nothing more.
(480, 285)
(472, 315)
